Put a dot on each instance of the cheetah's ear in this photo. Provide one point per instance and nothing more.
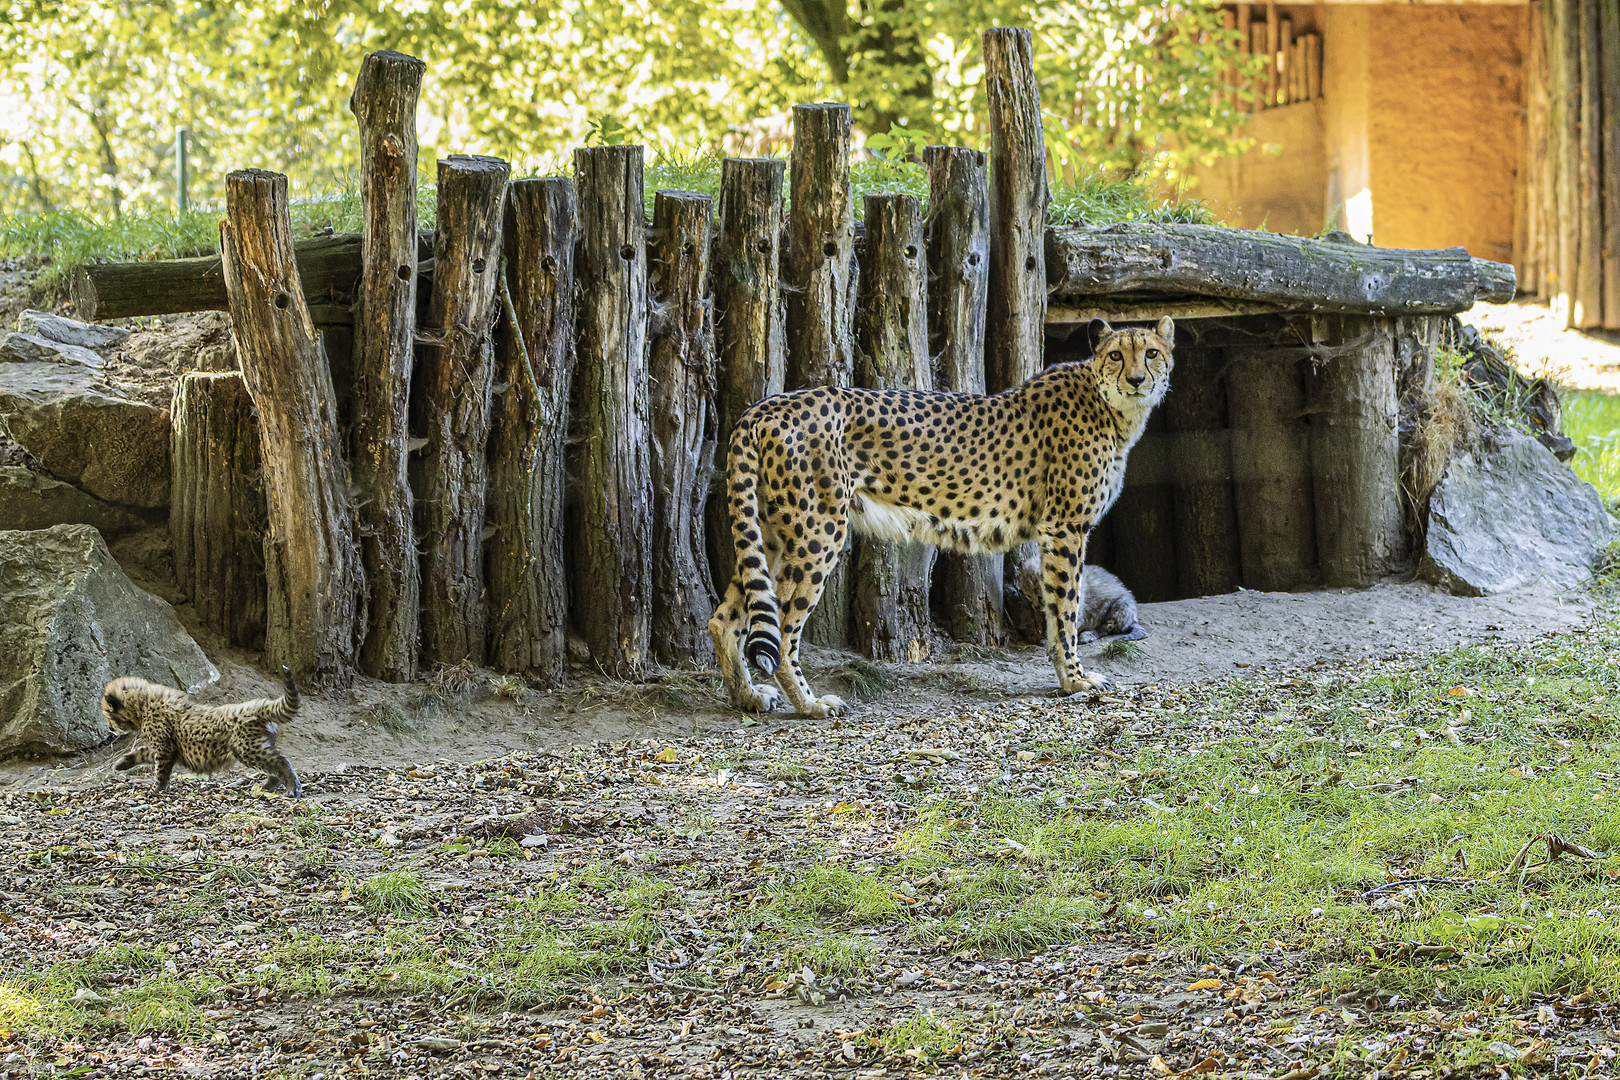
(1166, 330)
(1096, 331)
(112, 701)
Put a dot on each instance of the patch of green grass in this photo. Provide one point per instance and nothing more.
(1592, 421)
(839, 957)
(398, 893)
(1122, 650)
(867, 681)
(391, 718)
(1102, 199)
(832, 896)
(922, 1037)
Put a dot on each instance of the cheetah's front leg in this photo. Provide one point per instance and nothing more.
(1063, 553)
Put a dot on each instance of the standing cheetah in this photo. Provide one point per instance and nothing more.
(1043, 461)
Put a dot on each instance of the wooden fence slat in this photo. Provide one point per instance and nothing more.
(384, 103)
(524, 562)
(889, 614)
(683, 429)
(613, 565)
(315, 614)
(1588, 300)
(967, 588)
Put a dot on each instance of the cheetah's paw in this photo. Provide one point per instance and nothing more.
(825, 706)
(1085, 685)
(759, 699)
(1087, 637)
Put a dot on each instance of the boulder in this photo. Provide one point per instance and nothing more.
(31, 500)
(33, 349)
(1511, 514)
(71, 331)
(83, 432)
(70, 622)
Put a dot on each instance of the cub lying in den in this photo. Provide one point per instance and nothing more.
(975, 474)
(201, 738)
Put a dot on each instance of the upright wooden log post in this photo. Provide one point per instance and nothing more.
(1208, 557)
(1015, 332)
(1144, 518)
(747, 317)
(1355, 451)
(889, 600)
(315, 615)
(217, 512)
(524, 567)
(612, 569)
(384, 103)
(820, 271)
(683, 430)
(967, 588)
(1271, 470)
(453, 406)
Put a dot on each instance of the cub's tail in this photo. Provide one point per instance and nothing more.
(763, 644)
(289, 697)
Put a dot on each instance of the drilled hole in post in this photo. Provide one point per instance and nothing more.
(405, 272)
(1029, 263)
(830, 249)
(282, 300)
(911, 251)
(973, 258)
(689, 248)
(478, 266)
(628, 252)
(549, 264)
(764, 247)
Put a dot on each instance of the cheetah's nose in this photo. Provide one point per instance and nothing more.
(1136, 380)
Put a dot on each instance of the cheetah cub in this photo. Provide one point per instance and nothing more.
(201, 738)
(1110, 608)
(1043, 461)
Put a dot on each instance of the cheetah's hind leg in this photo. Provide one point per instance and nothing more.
(1133, 632)
(726, 629)
(280, 776)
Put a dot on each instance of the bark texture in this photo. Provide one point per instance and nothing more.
(315, 615)
(683, 428)
(613, 563)
(384, 103)
(524, 563)
(889, 616)
(1271, 470)
(217, 512)
(453, 407)
(1208, 558)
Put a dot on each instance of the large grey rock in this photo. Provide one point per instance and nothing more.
(31, 500)
(71, 331)
(1512, 515)
(33, 349)
(70, 622)
(83, 432)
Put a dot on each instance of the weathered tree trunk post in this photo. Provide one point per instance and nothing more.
(1355, 451)
(384, 102)
(1015, 331)
(967, 588)
(453, 406)
(315, 615)
(747, 317)
(524, 568)
(820, 272)
(613, 566)
(889, 600)
(682, 370)
(1207, 552)
(1144, 518)
(217, 513)
(1271, 470)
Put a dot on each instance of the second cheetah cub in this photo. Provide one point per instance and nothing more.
(201, 738)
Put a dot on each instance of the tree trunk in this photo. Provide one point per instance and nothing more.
(217, 513)
(1589, 270)
(1208, 557)
(527, 578)
(453, 407)
(820, 272)
(1609, 80)
(747, 317)
(967, 588)
(315, 615)
(384, 102)
(1144, 518)
(682, 377)
(1355, 452)
(1271, 470)
(1015, 328)
(889, 601)
(613, 565)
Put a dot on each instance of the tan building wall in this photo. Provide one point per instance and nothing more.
(1276, 184)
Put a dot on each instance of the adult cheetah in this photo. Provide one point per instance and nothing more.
(1043, 461)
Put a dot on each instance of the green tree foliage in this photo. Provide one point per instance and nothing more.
(93, 90)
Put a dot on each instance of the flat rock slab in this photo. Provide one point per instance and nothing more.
(70, 622)
(32, 500)
(71, 331)
(84, 432)
(1512, 515)
(34, 349)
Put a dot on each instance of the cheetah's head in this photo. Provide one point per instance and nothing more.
(1132, 366)
(118, 704)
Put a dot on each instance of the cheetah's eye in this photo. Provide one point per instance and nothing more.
(1151, 353)
(1116, 355)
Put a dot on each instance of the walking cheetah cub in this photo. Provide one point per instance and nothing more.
(201, 738)
(1043, 461)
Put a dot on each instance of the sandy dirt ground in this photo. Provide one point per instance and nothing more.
(1577, 359)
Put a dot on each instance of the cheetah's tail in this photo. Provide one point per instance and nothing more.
(763, 645)
(289, 700)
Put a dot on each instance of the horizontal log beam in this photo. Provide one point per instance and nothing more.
(1241, 264)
